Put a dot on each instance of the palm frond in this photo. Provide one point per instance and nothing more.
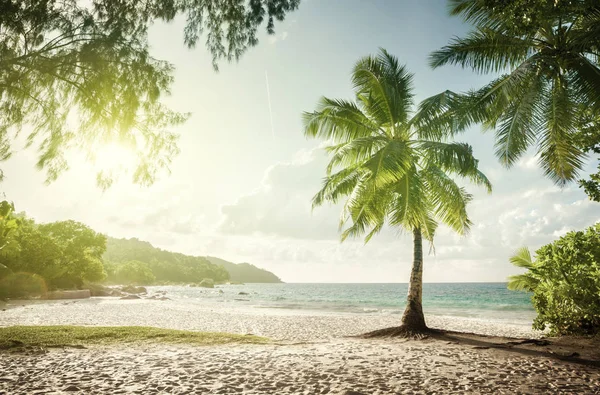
(456, 157)
(585, 79)
(484, 50)
(368, 210)
(443, 115)
(449, 201)
(337, 120)
(560, 157)
(355, 151)
(384, 88)
(522, 282)
(337, 186)
(453, 158)
(379, 156)
(520, 122)
(390, 163)
(522, 258)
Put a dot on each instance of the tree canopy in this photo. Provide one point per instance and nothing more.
(75, 75)
(385, 159)
(549, 54)
(61, 254)
(165, 266)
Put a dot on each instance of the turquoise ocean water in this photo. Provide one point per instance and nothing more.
(488, 301)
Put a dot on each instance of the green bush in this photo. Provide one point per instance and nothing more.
(22, 285)
(565, 281)
(4, 271)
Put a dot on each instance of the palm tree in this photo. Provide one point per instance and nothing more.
(527, 281)
(389, 169)
(550, 51)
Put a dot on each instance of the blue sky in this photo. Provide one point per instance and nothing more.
(241, 187)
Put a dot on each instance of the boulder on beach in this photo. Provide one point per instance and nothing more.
(75, 294)
(132, 289)
(207, 283)
(99, 290)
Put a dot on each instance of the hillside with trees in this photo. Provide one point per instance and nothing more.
(136, 261)
(245, 272)
(36, 258)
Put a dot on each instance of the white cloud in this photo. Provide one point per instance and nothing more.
(281, 205)
(529, 162)
(273, 225)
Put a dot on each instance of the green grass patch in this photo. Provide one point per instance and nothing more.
(66, 335)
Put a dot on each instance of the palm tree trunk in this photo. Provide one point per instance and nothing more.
(413, 317)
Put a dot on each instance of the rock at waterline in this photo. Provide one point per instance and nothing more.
(129, 297)
(77, 294)
(131, 289)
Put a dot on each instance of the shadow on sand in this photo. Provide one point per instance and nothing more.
(579, 350)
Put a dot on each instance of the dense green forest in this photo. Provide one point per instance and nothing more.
(245, 272)
(133, 260)
(35, 258)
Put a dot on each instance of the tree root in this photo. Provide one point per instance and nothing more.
(402, 332)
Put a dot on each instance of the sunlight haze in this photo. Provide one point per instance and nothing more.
(242, 185)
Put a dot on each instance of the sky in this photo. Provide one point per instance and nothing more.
(242, 185)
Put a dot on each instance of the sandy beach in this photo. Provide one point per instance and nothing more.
(229, 316)
(311, 354)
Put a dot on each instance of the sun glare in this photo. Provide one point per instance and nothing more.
(113, 156)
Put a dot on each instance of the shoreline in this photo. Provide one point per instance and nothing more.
(212, 316)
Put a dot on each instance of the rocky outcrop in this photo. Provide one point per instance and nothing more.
(132, 289)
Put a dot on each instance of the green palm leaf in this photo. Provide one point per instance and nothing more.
(389, 167)
(550, 51)
(484, 50)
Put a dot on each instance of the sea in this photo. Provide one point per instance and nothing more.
(482, 301)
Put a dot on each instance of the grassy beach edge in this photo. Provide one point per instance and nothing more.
(71, 335)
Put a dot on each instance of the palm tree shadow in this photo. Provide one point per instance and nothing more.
(578, 350)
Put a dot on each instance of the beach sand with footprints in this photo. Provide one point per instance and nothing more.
(310, 353)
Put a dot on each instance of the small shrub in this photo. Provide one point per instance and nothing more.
(22, 285)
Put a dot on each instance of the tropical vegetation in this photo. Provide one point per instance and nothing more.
(390, 167)
(564, 278)
(245, 272)
(38, 257)
(80, 74)
(548, 52)
(136, 261)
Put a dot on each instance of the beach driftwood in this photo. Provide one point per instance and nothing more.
(76, 294)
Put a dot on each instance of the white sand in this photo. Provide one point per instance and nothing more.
(334, 367)
(227, 317)
(313, 358)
